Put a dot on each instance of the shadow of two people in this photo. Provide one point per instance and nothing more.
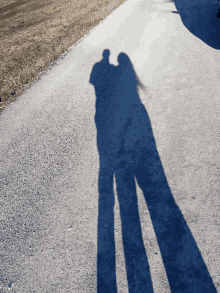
(127, 149)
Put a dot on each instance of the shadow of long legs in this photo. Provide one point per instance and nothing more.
(137, 267)
(184, 265)
(106, 276)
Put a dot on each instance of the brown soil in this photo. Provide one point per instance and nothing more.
(35, 33)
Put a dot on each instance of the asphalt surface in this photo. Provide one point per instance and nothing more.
(83, 130)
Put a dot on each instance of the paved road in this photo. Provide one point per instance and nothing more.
(83, 137)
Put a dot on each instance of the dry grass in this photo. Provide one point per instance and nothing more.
(35, 33)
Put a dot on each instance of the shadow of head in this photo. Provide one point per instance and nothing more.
(123, 59)
(106, 54)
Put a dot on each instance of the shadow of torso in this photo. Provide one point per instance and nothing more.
(123, 126)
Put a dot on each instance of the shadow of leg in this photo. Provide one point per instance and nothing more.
(185, 268)
(106, 273)
(138, 273)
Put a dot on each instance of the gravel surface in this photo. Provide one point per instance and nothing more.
(49, 162)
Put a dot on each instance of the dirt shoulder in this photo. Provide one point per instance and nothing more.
(35, 33)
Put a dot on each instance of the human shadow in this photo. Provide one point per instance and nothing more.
(201, 20)
(127, 149)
